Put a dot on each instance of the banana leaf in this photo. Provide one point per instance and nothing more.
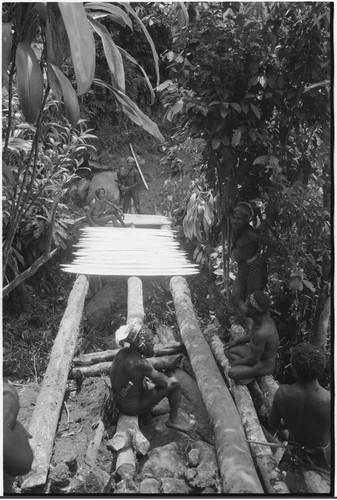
(82, 43)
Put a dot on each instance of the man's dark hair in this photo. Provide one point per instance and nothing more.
(260, 301)
(308, 361)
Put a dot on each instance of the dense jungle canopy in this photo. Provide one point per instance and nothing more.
(237, 93)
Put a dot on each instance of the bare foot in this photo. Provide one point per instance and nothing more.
(178, 424)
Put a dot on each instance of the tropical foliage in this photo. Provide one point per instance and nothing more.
(49, 58)
(252, 80)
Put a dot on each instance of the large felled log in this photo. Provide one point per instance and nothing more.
(237, 470)
(272, 478)
(46, 413)
(135, 301)
(98, 357)
(163, 363)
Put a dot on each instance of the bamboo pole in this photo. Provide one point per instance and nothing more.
(238, 474)
(46, 413)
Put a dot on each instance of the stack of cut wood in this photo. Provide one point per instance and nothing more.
(145, 220)
(112, 251)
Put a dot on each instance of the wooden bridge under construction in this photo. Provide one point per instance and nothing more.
(247, 459)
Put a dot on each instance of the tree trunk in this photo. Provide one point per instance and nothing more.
(46, 413)
(322, 321)
(236, 466)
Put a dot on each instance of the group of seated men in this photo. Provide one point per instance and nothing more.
(303, 408)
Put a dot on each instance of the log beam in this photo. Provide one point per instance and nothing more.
(46, 413)
(98, 357)
(162, 363)
(237, 470)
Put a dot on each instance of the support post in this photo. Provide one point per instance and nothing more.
(46, 413)
(236, 466)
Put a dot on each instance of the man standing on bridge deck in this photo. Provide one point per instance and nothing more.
(129, 182)
(304, 409)
(254, 353)
(129, 370)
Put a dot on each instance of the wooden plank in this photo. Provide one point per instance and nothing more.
(46, 413)
(237, 470)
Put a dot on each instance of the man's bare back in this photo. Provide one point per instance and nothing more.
(306, 413)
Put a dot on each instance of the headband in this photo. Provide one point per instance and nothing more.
(253, 302)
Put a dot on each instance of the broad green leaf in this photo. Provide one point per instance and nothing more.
(82, 43)
(178, 106)
(236, 138)
(29, 81)
(116, 13)
(6, 45)
(216, 142)
(261, 160)
(57, 42)
(236, 106)
(112, 54)
(18, 144)
(69, 96)
(128, 56)
(132, 111)
(148, 37)
(255, 111)
(183, 17)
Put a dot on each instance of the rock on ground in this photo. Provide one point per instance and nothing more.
(107, 180)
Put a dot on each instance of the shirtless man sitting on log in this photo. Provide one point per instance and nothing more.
(17, 453)
(101, 211)
(254, 353)
(245, 250)
(128, 371)
(304, 409)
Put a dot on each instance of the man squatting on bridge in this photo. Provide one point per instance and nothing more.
(245, 250)
(128, 374)
(17, 453)
(129, 182)
(304, 409)
(254, 353)
(101, 211)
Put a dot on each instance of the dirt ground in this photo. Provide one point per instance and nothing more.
(28, 338)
